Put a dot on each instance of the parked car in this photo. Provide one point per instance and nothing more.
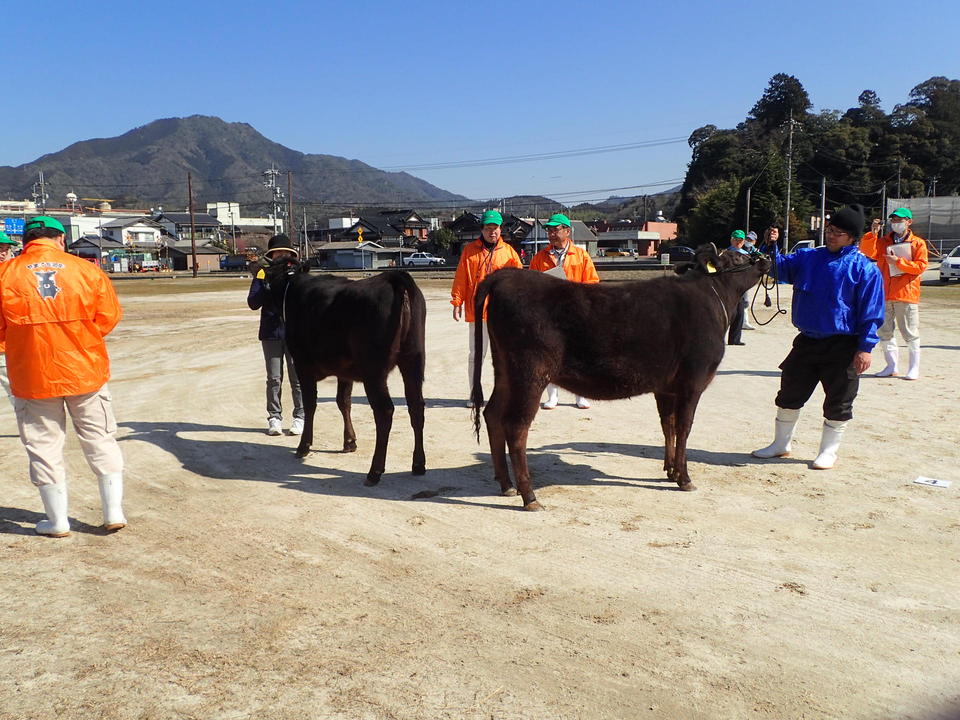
(420, 259)
(950, 266)
(680, 253)
(617, 252)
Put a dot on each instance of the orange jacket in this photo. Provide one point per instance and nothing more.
(868, 244)
(476, 262)
(905, 287)
(55, 310)
(577, 265)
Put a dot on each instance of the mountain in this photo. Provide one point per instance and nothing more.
(148, 166)
(638, 206)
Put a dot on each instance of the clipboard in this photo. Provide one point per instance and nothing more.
(901, 250)
(556, 272)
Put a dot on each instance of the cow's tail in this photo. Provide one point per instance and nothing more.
(476, 390)
(408, 329)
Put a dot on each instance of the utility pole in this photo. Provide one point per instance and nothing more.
(233, 230)
(40, 195)
(276, 195)
(898, 177)
(306, 240)
(193, 225)
(786, 223)
(823, 207)
(291, 226)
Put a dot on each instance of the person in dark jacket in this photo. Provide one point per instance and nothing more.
(274, 345)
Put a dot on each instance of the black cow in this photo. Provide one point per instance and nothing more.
(606, 341)
(358, 331)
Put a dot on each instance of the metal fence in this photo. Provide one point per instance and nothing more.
(935, 218)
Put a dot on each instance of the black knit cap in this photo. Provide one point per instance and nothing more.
(850, 220)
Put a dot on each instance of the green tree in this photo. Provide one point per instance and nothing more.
(443, 238)
(784, 96)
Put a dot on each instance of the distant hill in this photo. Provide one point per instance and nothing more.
(148, 166)
(622, 208)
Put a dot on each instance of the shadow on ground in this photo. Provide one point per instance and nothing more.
(212, 452)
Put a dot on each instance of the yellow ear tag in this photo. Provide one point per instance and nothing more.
(710, 268)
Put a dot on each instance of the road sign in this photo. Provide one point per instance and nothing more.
(13, 226)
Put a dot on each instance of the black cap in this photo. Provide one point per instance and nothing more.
(850, 220)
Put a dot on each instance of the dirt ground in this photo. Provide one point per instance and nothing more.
(253, 584)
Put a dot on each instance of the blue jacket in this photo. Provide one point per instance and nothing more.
(259, 298)
(837, 293)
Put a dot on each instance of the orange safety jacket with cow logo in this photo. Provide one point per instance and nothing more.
(905, 287)
(476, 262)
(577, 265)
(55, 310)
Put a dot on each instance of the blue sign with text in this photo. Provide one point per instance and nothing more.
(13, 226)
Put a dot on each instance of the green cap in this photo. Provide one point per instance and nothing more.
(738, 235)
(43, 221)
(557, 219)
(902, 213)
(491, 217)
(5, 239)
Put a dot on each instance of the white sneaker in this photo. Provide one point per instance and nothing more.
(274, 426)
(296, 427)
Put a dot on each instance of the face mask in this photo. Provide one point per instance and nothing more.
(748, 246)
(899, 227)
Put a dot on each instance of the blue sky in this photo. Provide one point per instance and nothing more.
(401, 85)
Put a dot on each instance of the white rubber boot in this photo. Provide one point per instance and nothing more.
(111, 497)
(54, 497)
(890, 353)
(785, 424)
(553, 397)
(583, 403)
(913, 371)
(829, 444)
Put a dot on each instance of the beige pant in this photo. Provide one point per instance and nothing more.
(42, 426)
(907, 319)
(4, 382)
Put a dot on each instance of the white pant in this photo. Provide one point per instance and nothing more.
(473, 351)
(42, 426)
(907, 318)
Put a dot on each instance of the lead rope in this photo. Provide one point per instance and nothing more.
(723, 309)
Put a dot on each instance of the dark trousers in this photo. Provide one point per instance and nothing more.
(828, 361)
(736, 326)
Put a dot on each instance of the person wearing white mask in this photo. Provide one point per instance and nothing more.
(901, 256)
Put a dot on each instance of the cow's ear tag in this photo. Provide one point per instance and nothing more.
(710, 268)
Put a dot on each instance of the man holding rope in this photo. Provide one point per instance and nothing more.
(837, 307)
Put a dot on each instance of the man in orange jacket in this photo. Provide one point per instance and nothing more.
(55, 310)
(477, 260)
(902, 258)
(7, 246)
(562, 256)
(868, 243)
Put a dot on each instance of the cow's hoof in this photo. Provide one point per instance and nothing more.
(687, 486)
(350, 447)
(302, 452)
(533, 507)
(509, 492)
(419, 470)
(371, 480)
